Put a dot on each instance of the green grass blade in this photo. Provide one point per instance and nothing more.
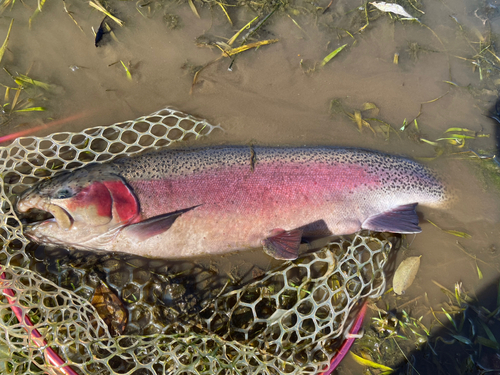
(479, 273)
(31, 109)
(457, 233)
(456, 136)
(459, 130)
(490, 334)
(6, 41)
(24, 81)
(450, 319)
(462, 339)
(41, 3)
(129, 75)
(490, 344)
(332, 55)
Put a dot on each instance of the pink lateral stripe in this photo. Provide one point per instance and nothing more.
(50, 354)
(268, 187)
(346, 345)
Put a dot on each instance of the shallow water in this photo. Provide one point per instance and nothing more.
(269, 98)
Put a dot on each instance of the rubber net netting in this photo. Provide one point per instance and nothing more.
(184, 319)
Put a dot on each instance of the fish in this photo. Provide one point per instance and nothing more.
(202, 201)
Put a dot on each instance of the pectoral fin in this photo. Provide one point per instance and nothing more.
(283, 244)
(154, 225)
(402, 219)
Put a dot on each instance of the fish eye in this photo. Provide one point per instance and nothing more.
(64, 193)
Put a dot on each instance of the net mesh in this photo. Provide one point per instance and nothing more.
(288, 320)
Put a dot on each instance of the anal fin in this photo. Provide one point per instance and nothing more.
(154, 225)
(284, 244)
(402, 219)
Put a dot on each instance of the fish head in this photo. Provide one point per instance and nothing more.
(87, 205)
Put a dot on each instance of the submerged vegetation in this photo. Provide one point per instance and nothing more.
(26, 95)
(459, 336)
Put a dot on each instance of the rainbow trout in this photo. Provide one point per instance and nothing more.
(183, 203)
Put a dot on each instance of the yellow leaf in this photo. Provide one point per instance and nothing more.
(358, 119)
(368, 106)
(234, 51)
(225, 12)
(367, 124)
(452, 232)
(100, 8)
(366, 362)
(231, 41)
(429, 142)
(193, 8)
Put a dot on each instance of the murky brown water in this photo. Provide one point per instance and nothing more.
(269, 98)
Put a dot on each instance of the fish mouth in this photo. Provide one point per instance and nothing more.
(49, 211)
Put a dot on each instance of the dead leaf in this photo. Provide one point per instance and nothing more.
(392, 8)
(370, 107)
(358, 119)
(110, 308)
(405, 274)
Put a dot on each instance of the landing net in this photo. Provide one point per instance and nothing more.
(290, 320)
